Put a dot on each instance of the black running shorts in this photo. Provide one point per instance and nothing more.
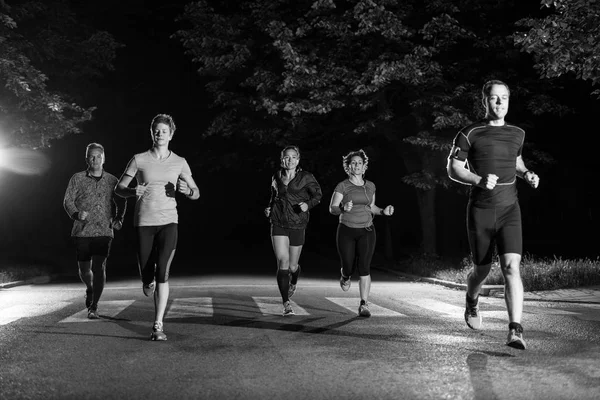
(86, 247)
(489, 227)
(296, 236)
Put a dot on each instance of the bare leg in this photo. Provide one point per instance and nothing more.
(161, 297)
(295, 252)
(513, 286)
(281, 247)
(364, 285)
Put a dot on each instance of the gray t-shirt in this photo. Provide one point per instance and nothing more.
(157, 206)
(361, 215)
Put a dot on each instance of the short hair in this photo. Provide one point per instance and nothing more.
(163, 119)
(487, 87)
(348, 158)
(93, 146)
(290, 147)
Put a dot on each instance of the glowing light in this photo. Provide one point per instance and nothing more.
(24, 161)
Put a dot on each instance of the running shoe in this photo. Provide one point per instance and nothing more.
(472, 314)
(157, 332)
(89, 298)
(363, 310)
(515, 339)
(344, 282)
(149, 288)
(93, 314)
(287, 309)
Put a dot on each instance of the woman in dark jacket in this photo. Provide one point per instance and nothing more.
(293, 193)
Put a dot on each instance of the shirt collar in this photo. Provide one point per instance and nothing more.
(89, 175)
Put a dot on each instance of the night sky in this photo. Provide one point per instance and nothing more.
(153, 75)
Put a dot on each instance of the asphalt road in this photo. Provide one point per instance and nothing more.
(228, 340)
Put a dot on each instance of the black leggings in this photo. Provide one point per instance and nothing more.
(356, 247)
(156, 248)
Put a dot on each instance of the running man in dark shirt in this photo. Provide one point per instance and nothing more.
(95, 210)
(487, 156)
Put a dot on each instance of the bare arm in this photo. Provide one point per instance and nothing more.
(187, 186)
(334, 204)
(529, 176)
(458, 173)
(387, 211)
(122, 189)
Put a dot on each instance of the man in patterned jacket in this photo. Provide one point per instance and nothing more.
(91, 203)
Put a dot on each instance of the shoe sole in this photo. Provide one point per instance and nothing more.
(475, 327)
(365, 314)
(148, 291)
(517, 344)
(345, 288)
(474, 323)
(291, 292)
(156, 338)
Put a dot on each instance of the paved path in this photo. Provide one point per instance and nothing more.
(588, 294)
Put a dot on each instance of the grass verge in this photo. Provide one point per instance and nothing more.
(12, 271)
(536, 273)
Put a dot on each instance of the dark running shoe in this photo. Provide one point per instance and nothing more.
(287, 309)
(93, 314)
(149, 288)
(472, 314)
(515, 339)
(157, 332)
(363, 310)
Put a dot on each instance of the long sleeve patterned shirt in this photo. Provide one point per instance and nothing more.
(96, 196)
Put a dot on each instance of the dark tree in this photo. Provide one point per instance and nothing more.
(48, 59)
(402, 76)
(566, 41)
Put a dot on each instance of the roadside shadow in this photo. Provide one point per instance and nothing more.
(293, 324)
(69, 333)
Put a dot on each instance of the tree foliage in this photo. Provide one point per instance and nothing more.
(401, 76)
(47, 59)
(566, 41)
(388, 69)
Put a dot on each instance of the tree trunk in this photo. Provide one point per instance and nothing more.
(426, 200)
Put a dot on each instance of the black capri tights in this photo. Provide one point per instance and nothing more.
(156, 248)
(356, 247)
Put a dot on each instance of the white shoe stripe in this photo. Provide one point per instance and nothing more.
(351, 303)
(106, 309)
(274, 306)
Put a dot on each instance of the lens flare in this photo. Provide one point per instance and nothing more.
(23, 161)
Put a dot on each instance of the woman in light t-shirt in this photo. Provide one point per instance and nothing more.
(160, 175)
(354, 201)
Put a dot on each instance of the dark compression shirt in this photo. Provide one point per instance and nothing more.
(491, 150)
